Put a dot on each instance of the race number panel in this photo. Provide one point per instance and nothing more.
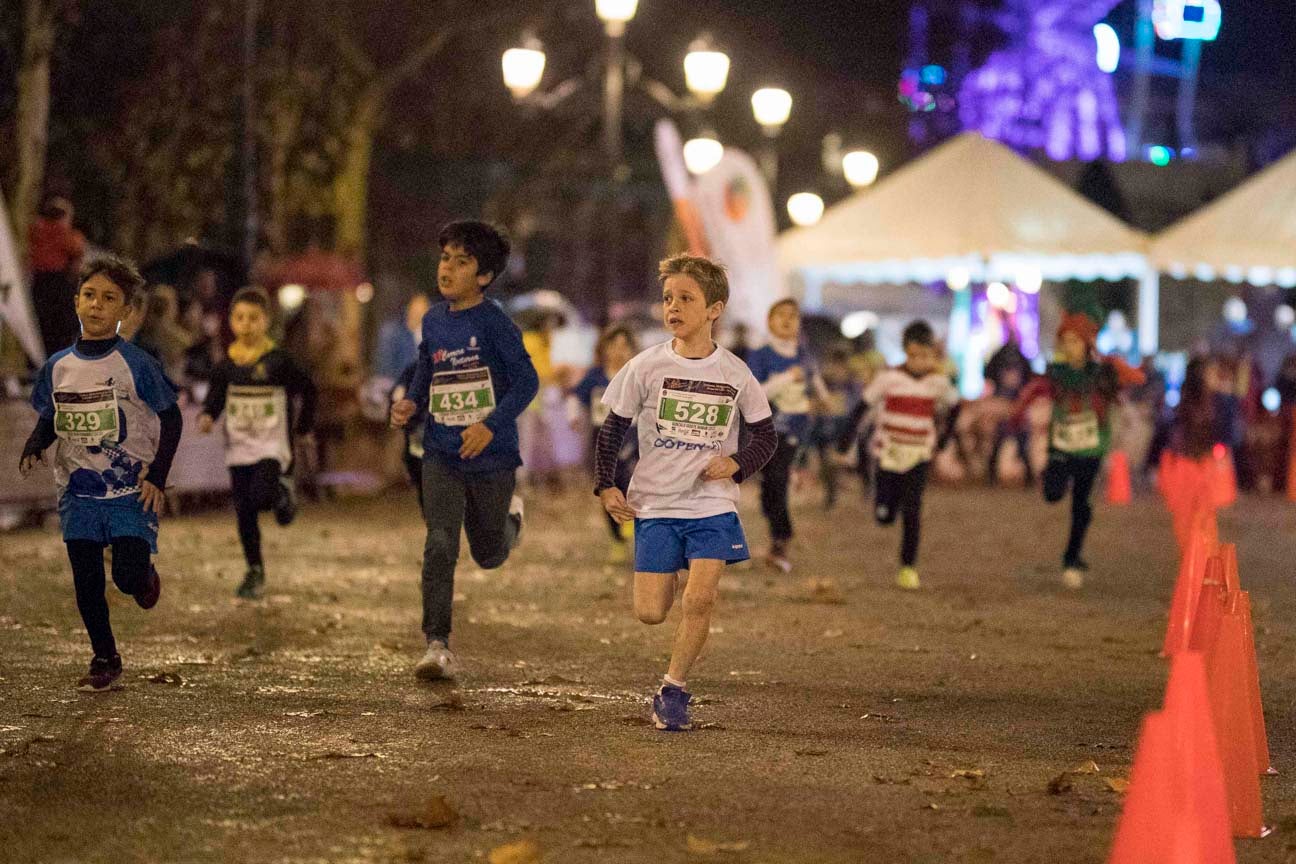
(1077, 433)
(690, 410)
(88, 417)
(461, 397)
(255, 411)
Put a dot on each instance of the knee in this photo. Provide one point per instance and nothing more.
(492, 560)
(439, 545)
(650, 614)
(698, 603)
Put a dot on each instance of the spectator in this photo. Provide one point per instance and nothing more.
(398, 340)
(160, 332)
(55, 250)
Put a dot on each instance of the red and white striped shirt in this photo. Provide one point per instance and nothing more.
(904, 410)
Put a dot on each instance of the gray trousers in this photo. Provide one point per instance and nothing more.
(477, 503)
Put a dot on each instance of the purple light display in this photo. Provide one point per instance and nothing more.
(1045, 90)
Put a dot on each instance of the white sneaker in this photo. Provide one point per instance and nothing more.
(438, 662)
(1073, 578)
(515, 511)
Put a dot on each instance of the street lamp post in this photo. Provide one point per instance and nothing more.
(771, 107)
(614, 14)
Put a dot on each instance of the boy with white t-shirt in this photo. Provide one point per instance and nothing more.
(686, 396)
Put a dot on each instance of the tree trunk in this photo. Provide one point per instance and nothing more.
(32, 114)
(351, 187)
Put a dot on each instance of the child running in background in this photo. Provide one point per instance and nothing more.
(784, 370)
(686, 396)
(906, 403)
(616, 346)
(472, 379)
(831, 421)
(1196, 472)
(1083, 388)
(256, 388)
(115, 417)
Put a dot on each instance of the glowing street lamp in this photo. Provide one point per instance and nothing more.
(705, 70)
(615, 14)
(702, 153)
(860, 168)
(524, 67)
(771, 106)
(805, 209)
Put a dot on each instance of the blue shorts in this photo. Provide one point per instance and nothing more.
(102, 520)
(668, 545)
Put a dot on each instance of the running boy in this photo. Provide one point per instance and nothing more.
(473, 379)
(1083, 388)
(784, 370)
(906, 402)
(115, 418)
(616, 345)
(256, 388)
(685, 396)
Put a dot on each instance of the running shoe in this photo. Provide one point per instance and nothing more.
(148, 597)
(515, 512)
(777, 557)
(907, 579)
(253, 582)
(103, 672)
(1073, 578)
(438, 662)
(670, 709)
(285, 508)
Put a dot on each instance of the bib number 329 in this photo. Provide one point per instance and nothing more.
(88, 418)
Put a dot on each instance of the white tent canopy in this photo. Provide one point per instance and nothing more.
(971, 206)
(1247, 235)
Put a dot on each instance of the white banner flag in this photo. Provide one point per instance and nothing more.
(15, 293)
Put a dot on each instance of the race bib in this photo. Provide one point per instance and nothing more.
(461, 397)
(598, 411)
(898, 457)
(695, 410)
(793, 399)
(1076, 433)
(255, 411)
(88, 418)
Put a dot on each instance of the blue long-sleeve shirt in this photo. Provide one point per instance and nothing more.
(472, 367)
(787, 397)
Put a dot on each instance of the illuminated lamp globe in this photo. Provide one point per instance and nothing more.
(860, 168)
(805, 209)
(524, 67)
(1235, 310)
(702, 153)
(364, 292)
(615, 14)
(1272, 400)
(771, 106)
(1284, 317)
(291, 297)
(958, 279)
(706, 70)
(1030, 280)
(999, 295)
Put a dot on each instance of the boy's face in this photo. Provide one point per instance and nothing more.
(684, 308)
(100, 305)
(785, 321)
(249, 323)
(457, 276)
(1074, 349)
(617, 352)
(921, 359)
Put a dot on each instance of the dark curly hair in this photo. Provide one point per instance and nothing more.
(483, 241)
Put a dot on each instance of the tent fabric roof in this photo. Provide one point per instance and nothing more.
(1247, 234)
(969, 200)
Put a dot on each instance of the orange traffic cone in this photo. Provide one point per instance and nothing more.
(1224, 491)
(1232, 581)
(1183, 605)
(1119, 488)
(1176, 810)
(1252, 671)
(1210, 609)
(1231, 711)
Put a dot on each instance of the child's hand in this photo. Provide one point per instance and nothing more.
(475, 439)
(720, 468)
(205, 423)
(401, 412)
(29, 462)
(616, 505)
(151, 496)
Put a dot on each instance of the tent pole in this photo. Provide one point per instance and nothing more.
(1149, 311)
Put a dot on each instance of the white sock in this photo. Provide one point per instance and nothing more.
(672, 682)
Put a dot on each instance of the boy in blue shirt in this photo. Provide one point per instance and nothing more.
(473, 378)
(114, 415)
(686, 397)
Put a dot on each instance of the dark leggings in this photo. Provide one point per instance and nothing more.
(901, 495)
(130, 569)
(775, 477)
(256, 488)
(1078, 472)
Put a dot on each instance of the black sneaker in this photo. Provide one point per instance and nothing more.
(103, 672)
(253, 581)
(148, 598)
(285, 509)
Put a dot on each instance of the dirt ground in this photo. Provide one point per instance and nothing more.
(842, 719)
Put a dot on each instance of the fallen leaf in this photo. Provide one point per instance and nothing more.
(520, 852)
(1117, 784)
(701, 846)
(969, 773)
(435, 815)
(1089, 767)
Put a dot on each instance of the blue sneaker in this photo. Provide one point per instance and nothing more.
(670, 709)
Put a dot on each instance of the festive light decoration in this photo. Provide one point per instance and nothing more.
(805, 208)
(1044, 91)
(524, 67)
(860, 168)
(1109, 48)
(1187, 19)
(857, 323)
(1159, 154)
(702, 153)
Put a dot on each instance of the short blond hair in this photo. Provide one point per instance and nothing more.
(710, 276)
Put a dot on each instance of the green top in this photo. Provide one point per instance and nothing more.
(1081, 423)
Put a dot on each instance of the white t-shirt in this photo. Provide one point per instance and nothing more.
(905, 418)
(687, 414)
